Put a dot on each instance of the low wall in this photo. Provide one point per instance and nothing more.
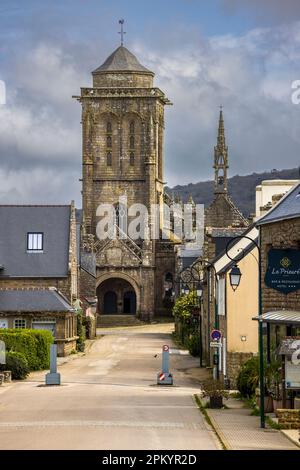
(288, 419)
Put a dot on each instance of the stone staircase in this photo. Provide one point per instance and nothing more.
(107, 321)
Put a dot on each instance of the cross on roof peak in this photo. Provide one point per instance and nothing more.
(122, 32)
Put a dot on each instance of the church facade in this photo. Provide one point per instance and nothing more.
(122, 158)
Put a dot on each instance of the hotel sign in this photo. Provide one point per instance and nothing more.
(283, 270)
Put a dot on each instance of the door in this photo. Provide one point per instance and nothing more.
(49, 326)
(129, 302)
(110, 303)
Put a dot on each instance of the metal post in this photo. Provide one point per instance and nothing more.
(216, 324)
(260, 329)
(261, 346)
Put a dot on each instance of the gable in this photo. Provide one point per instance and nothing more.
(118, 252)
(222, 212)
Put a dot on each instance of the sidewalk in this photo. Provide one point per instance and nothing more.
(240, 431)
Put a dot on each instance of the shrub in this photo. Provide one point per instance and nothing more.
(80, 333)
(248, 378)
(17, 363)
(194, 345)
(33, 344)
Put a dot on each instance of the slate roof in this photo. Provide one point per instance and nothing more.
(35, 300)
(287, 208)
(121, 60)
(16, 222)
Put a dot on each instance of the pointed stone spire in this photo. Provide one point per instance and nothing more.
(221, 130)
(221, 158)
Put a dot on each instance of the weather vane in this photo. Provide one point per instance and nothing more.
(122, 32)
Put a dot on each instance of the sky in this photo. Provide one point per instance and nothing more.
(243, 54)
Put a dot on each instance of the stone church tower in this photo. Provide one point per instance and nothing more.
(223, 220)
(122, 132)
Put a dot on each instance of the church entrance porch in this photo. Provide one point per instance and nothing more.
(116, 296)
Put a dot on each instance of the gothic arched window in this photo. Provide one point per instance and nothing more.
(109, 142)
(109, 128)
(108, 159)
(131, 127)
(131, 142)
(131, 158)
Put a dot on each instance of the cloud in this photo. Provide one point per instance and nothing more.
(262, 10)
(251, 75)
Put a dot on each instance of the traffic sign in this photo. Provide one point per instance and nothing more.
(215, 344)
(165, 347)
(216, 335)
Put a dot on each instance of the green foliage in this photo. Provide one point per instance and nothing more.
(184, 305)
(17, 363)
(248, 378)
(33, 344)
(81, 332)
(193, 345)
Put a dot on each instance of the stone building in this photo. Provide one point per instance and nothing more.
(38, 270)
(279, 233)
(122, 132)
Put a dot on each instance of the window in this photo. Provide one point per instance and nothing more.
(168, 285)
(131, 142)
(131, 158)
(20, 323)
(108, 159)
(108, 141)
(131, 128)
(109, 128)
(35, 241)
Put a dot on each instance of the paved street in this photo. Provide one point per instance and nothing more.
(109, 400)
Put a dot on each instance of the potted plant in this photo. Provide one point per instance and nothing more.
(214, 390)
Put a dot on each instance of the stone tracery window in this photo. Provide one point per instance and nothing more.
(131, 143)
(108, 143)
(108, 159)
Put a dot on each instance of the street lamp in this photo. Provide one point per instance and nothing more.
(199, 290)
(235, 277)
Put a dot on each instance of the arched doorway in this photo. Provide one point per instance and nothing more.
(129, 302)
(116, 296)
(110, 305)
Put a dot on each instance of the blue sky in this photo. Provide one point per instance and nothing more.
(241, 53)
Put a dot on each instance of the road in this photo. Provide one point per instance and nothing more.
(109, 400)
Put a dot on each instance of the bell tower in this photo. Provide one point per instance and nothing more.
(221, 158)
(122, 160)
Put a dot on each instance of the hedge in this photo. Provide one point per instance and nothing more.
(33, 344)
(17, 363)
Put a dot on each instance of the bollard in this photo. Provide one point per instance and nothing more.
(53, 378)
(165, 377)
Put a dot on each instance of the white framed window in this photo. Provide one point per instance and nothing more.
(221, 296)
(19, 323)
(35, 242)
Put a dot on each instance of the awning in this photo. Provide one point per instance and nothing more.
(288, 317)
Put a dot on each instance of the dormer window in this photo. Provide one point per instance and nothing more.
(35, 242)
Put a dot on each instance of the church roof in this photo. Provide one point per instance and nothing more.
(122, 60)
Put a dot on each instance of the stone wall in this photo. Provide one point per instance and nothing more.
(234, 362)
(288, 419)
(283, 234)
